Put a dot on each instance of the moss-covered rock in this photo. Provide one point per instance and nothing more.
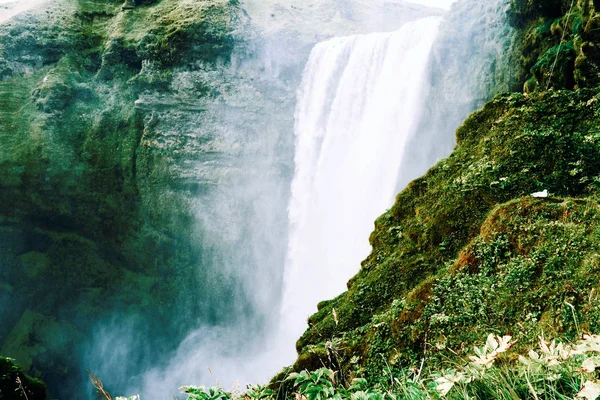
(465, 251)
(421, 292)
(533, 268)
(93, 217)
(558, 43)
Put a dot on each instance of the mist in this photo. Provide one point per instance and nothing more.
(10, 8)
(445, 4)
(243, 221)
(242, 218)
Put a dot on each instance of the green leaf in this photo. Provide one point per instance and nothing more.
(293, 375)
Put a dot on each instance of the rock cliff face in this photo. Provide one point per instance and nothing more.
(97, 214)
(559, 43)
(140, 147)
(466, 250)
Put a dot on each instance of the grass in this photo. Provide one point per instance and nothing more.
(553, 370)
(447, 256)
(15, 384)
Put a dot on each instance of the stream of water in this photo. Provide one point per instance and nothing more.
(359, 105)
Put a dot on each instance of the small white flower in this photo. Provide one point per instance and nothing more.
(589, 343)
(446, 383)
(553, 377)
(524, 361)
(552, 353)
(533, 355)
(540, 194)
(590, 365)
(504, 344)
(491, 343)
(494, 346)
(590, 390)
(443, 386)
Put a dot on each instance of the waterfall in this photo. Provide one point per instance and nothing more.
(359, 104)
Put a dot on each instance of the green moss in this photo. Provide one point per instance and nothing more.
(521, 11)
(533, 261)
(168, 32)
(555, 68)
(550, 32)
(74, 169)
(468, 227)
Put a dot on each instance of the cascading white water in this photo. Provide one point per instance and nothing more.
(359, 103)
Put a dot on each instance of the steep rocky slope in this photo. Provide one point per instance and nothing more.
(465, 250)
(474, 58)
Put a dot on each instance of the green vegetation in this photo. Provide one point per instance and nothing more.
(466, 251)
(557, 43)
(552, 370)
(16, 385)
(90, 179)
(89, 200)
(555, 370)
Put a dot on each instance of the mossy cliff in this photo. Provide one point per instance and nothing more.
(103, 115)
(559, 40)
(466, 250)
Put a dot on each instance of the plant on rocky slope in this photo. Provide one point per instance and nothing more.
(556, 370)
(466, 250)
(204, 393)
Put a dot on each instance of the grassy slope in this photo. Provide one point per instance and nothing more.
(464, 251)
